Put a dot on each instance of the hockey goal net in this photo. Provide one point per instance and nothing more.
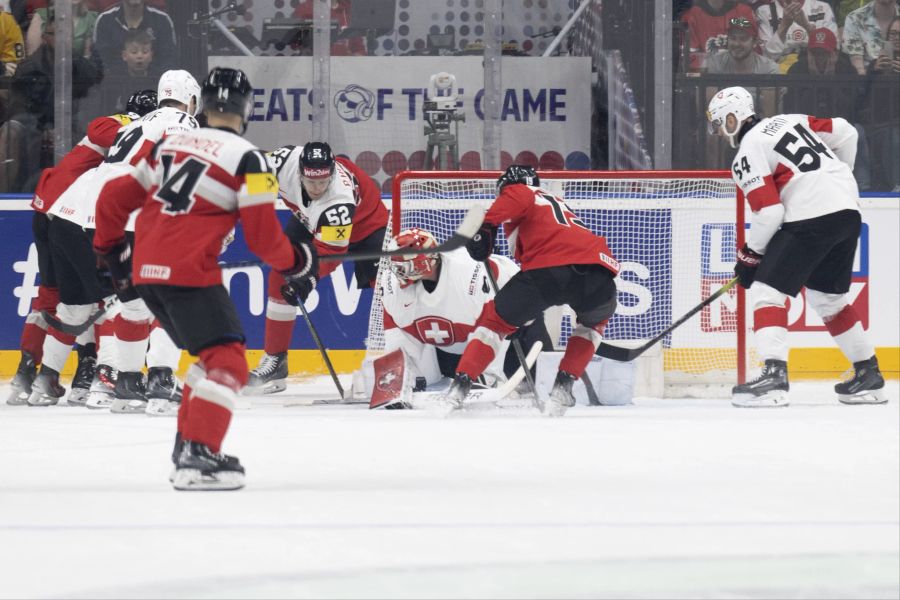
(674, 234)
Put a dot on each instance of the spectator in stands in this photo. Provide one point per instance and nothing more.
(707, 23)
(340, 14)
(83, 28)
(136, 71)
(865, 32)
(741, 57)
(785, 26)
(12, 49)
(113, 25)
(842, 8)
(22, 136)
(823, 58)
(884, 132)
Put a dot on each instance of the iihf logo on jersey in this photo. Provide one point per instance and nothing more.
(354, 103)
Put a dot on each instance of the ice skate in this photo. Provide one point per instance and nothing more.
(198, 468)
(456, 394)
(131, 393)
(561, 398)
(769, 390)
(163, 392)
(103, 388)
(46, 390)
(81, 383)
(20, 386)
(270, 376)
(865, 387)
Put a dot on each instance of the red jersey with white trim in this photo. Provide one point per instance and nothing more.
(87, 154)
(196, 187)
(349, 211)
(800, 161)
(132, 142)
(545, 232)
(445, 316)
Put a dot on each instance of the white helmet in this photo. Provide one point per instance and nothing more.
(731, 101)
(179, 85)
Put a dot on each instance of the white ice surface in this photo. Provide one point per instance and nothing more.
(663, 499)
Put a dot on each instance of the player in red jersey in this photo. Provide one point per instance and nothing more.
(337, 207)
(562, 262)
(192, 189)
(87, 154)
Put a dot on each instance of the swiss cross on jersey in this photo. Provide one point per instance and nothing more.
(435, 330)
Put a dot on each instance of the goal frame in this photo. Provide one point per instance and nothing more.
(739, 217)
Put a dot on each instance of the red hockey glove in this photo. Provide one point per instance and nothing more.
(746, 265)
(118, 261)
(481, 246)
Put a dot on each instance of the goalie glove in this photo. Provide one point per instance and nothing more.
(481, 246)
(746, 265)
(118, 260)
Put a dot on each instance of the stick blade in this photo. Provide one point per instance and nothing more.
(617, 353)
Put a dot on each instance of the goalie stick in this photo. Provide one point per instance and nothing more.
(466, 230)
(487, 394)
(628, 354)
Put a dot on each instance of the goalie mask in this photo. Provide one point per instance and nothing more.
(518, 174)
(734, 101)
(409, 269)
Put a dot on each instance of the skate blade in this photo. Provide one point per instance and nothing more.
(270, 387)
(867, 397)
(99, 401)
(188, 480)
(77, 398)
(775, 399)
(128, 407)
(18, 398)
(42, 401)
(160, 407)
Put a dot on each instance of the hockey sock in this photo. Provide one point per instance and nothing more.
(581, 347)
(33, 334)
(770, 329)
(214, 396)
(280, 318)
(847, 330)
(484, 342)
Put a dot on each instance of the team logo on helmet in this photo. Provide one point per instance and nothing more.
(354, 103)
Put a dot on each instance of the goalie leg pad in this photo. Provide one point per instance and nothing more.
(389, 381)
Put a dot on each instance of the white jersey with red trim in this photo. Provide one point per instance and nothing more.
(78, 203)
(445, 316)
(803, 162)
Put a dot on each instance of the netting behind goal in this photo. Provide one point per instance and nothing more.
(674, 234)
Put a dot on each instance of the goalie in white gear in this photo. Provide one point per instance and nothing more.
(431, 303)
(796, 172)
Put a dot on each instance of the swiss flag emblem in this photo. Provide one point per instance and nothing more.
(436, 331)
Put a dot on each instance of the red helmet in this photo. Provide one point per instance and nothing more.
(409, 269)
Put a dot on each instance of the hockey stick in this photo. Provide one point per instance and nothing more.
(628, 354)
(593, 400)
(517, 345)
(80, 328)
(315, 336)
(466, 230)
(493, 394)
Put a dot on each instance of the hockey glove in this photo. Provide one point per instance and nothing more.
(481, 246)
(306, 262)
(118, 261)
(296, 291)
(746, 265)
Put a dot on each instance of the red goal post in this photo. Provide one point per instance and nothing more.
(675, 233)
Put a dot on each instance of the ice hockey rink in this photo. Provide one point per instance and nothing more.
(662, 499)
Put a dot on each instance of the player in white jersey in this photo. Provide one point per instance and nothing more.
(432, 303)
(796, 172)
(178, 96)
(337, 207)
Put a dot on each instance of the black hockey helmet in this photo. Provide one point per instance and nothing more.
(142, 102)
(518, 174)
(316, 160)
(228, 91)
